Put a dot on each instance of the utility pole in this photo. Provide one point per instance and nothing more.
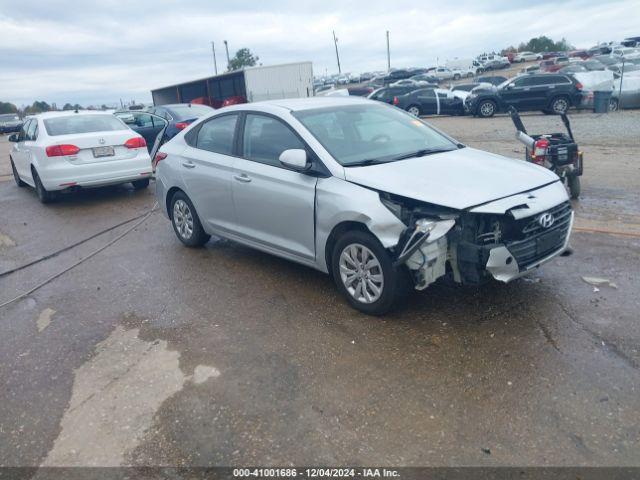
(215, 64)
(226, 47)
(388, 53)
(335, 41)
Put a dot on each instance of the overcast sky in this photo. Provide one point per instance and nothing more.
(98, 52)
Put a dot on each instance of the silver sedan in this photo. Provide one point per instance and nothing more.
(363, 191)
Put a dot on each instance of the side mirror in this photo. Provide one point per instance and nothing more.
(295, 159)
(14, 138)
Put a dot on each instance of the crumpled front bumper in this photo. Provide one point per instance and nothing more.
(503, 265)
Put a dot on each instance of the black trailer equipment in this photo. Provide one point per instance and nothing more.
(556, 151)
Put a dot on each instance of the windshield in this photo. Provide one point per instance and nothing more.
(376, 133)
(187, 112)
(9, 117)
(83, 124)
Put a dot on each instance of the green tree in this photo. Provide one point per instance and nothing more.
(6, 107)
(37, 107)
(67, 106)
(242, 58)
(545, 44)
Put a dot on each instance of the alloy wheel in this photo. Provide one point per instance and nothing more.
(183, 219)
(361, 273)
(486, 109)
(560, 105)
(415, 111)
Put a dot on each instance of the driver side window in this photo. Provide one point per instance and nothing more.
(22, 136)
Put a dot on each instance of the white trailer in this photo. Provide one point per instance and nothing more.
(291, 80)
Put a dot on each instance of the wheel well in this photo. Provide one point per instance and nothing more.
(172, 191)
(556, 97)
(335, 234)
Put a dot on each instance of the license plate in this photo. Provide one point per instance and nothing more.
(103, 152)
(547, 242)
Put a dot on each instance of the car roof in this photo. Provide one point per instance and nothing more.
(298, 104)
(68, 113)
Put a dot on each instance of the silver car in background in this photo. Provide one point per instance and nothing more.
(363, 191)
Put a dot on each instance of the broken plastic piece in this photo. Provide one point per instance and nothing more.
(597, 281)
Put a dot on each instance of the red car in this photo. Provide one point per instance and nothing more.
(548, 55)
(583, 54)
(554, 65)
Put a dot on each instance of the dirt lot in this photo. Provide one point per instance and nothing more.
(150, 353)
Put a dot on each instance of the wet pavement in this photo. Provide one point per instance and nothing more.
(150, 353)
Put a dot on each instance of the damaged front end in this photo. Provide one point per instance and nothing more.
(504, 240)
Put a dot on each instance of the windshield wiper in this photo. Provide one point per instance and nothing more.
(422, 153)
(368, 161)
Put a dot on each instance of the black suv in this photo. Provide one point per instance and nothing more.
(548, 92)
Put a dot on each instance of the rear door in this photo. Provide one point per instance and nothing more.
(428, 101)
(207, 165)
(274, 206)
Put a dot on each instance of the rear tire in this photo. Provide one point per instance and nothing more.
(487, 108)
(559, 105)
(574, 186)
(365, 275)
(186, 222)
(16, 177)
(456, 76)
(140, 184)
(414, 110)
(44, 195)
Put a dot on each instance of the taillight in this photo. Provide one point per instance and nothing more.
(182, 125)
(135, 142)
(539, 152)
(158, 158)
(61, 150)
(396, 101)
(579, 86)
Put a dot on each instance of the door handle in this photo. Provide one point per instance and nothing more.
(242, 178)
(188, 164)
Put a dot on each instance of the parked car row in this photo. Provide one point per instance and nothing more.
(10, 122)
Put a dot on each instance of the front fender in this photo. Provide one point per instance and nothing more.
(339, 201)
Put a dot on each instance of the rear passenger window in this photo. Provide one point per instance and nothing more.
(216, 135)
(265, 138)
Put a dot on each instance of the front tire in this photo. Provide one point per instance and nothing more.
(44, 195)
(574, 186)
(364, 273)
(487, 108)
(16, 177)
(613, 105)
(186, 222)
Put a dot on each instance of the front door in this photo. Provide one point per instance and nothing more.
(21, 153)
(274, 206)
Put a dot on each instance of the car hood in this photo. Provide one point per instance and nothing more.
(458, 179)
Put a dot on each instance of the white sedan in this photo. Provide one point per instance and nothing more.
(60, 150)
(527, 57)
